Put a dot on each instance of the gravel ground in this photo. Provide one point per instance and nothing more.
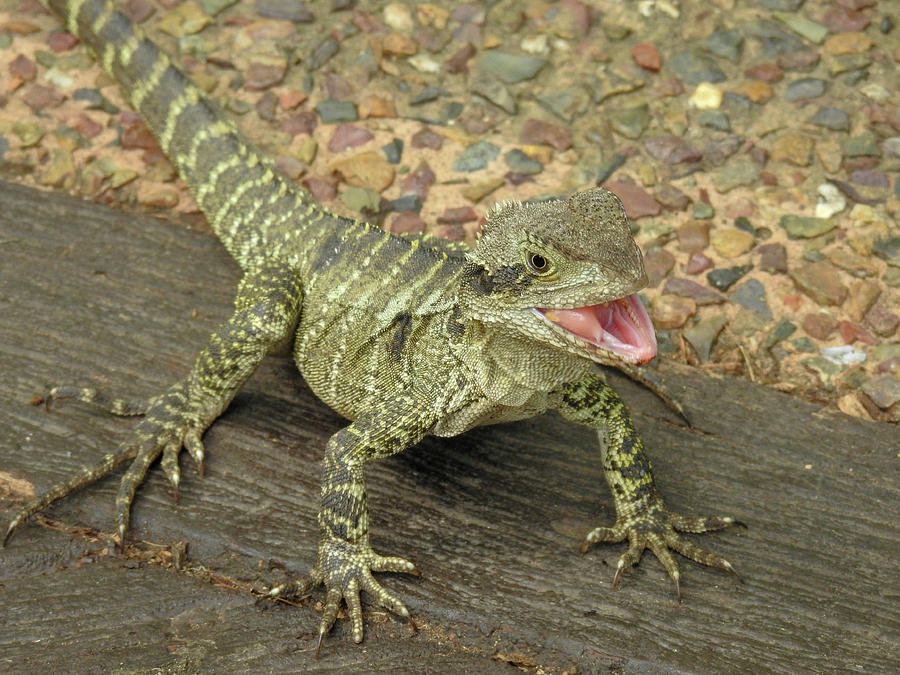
(755, 144)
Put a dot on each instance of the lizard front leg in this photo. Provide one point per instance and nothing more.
(267, 306)
(641, 515)
(345, 559)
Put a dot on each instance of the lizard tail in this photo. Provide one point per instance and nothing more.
(242, 194)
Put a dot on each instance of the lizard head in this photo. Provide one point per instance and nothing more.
(565, 273)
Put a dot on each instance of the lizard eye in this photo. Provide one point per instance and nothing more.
(537, 263)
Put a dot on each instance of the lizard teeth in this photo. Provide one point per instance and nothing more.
(621, 327)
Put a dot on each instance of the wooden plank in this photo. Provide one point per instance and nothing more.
(494, 519)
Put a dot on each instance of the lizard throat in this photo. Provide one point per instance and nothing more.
(621, 327)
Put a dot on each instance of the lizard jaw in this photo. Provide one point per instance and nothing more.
(619, 327)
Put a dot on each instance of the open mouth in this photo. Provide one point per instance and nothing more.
(621, 326)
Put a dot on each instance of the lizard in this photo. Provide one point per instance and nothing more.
(405, 336)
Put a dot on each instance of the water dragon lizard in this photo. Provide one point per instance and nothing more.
(404, 335)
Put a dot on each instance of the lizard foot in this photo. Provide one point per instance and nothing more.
(345, 569)
(171, 422)
(656, 528)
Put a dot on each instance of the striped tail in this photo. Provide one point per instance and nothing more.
(244, 196)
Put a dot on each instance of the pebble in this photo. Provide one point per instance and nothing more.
(476, 157)
(426, 138)
(805, 89)
(854, 42)
(478, 191)
(424, 64)
(458, 215)
(637, 202)
(742, 173)
(805, 28)
(367, 169)
(781, 331)
(184, 20)
(287, 10)
(348, 136)
(609, 167)
(361, 200)
(630, 122)
(399, 17)
(646, 56)
(883, 390)
(752, 295)
(805, 227)
(323, 53)
(671, 311)
(658, 264)
(757, 91)
(773, 258)
(459, 61)
(372, 105)
(706, 96)
(844, 355)
(427, 95)
(864, 145)
(766, 72)
(611, 82)
(511, 68)
(332, 111)
(541, 132)
(828, 151)
(731, 243)
(702, 336)
(567, 104)
(819, 325)
(671, 198)
(405, 203)
(691, 289)
(861, 298)
(883, 321)
(393, 151)
(407, 222)
(728, 44)
(723, 279)
(420, 180)
(847, 63)
(692, 68)
(216, 7)
(672, 149)
(697, 263)
(59, 171)
(869, 178)
(495, 91)
(831, 118)
(693, 236)
(519, 162)
(820, 281)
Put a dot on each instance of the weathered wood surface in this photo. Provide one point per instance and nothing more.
(493, 519)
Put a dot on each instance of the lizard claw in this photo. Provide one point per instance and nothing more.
(656, 528)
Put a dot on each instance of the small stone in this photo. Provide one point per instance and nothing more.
(848, 43)
(693, 68)
(766, 72)
(540, 132)
(812, 31)
(882, 321)
(478, 191)
(372, 105)
(457, 215)
(459, 61)
(821, 282)
(805, 227)
(671, 198)
(752, 295)
(723, 279)
(361, 200)
(23, 68)
(567, 104)
(637, 202)
(831, 118)
(393, 151)
(630, 122)
(864, 145)
(672, 150)
(59, 171)
(740, 174)
(61, 41)
(703, 211)
(799, 60)
(754, 90)
(395, 44)
(728, 44)
(691, 289)
(332, 111)
(804, 89)
(184, 20)
(793, 148)
(731, 243)
(495, 91)
(693, 236)
(323, 189)
(697, 263)
(348, 136)
(426, 138)
(399, 17)
(849, 63)
(307, 150)
(519, 162)
(646, 56)
(671, 311)
(843, 20)
(38, 98)
(300, 124)
(139, 10)
(405, 203)
(658, 264)
(706, 96)
(773, 258)
(703, 334)
(407, 222)
(869, 178)
(782, 330)
(829, 153)
(476, 157)
(368, 169)
(861, 297)
(883, 390)
(216, 7)
(420, 180)
(511, 68)
(323, 52)
(611, 81)
(285, 10)
(819, 325)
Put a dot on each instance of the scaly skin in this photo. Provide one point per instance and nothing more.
(405, 336)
